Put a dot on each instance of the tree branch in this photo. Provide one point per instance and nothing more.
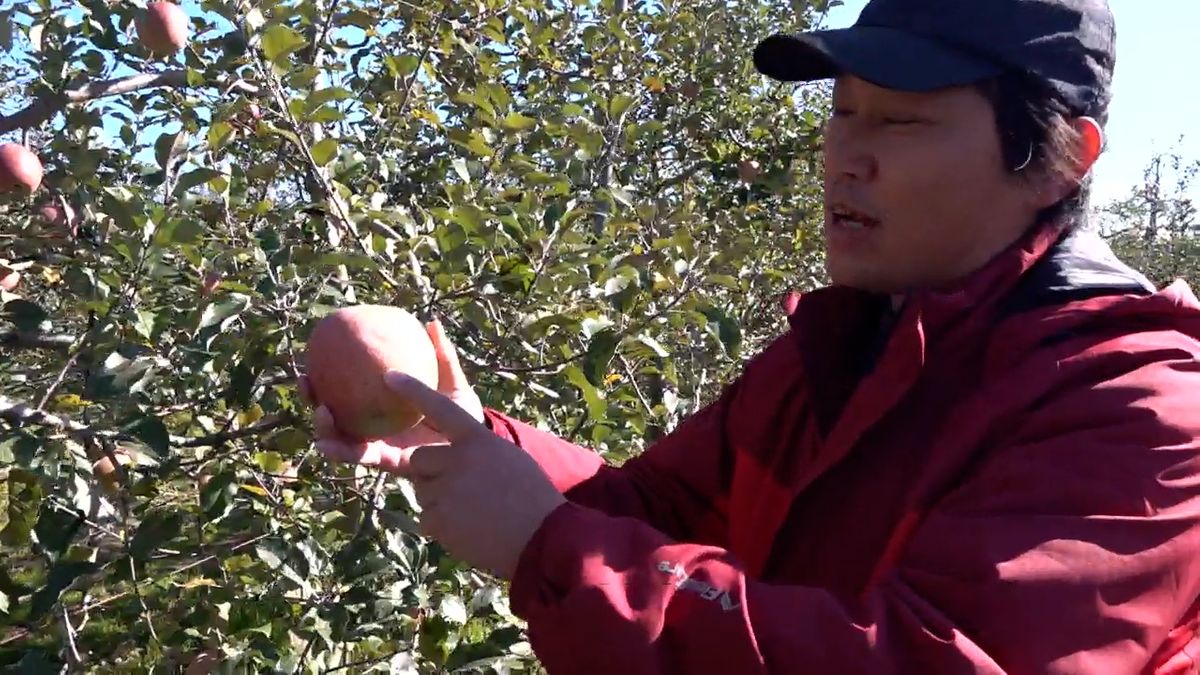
(44, 107)
(21, 414)
(23, 340)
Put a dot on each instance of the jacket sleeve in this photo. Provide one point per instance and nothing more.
(1072, 549)
(676, 485)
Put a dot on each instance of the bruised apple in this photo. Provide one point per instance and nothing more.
(348, 354)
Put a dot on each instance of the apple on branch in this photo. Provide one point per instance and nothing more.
(162, 28)
(348, 354)
(20, 169)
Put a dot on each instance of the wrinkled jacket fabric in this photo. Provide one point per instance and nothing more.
(1009, 483)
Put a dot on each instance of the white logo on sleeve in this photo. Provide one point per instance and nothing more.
(685, 582)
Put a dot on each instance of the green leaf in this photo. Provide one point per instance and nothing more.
(194, 178)
(280, 41)
(217, 496)
(518, 122)
(62, 575)
(144, 323)
(595, 403)
(241, 384)
(619, 104)
(271, 553)
(153, 432)
(55, 528)
(599, 352)
(157, 529)
(621, 195)
(169, 147)
(25, 315)
(654, 346)
(255, 19)
(270, 462)
(726, 329)
(187, 231)
(453, 609)
(325, 151)
(217, 312)
(327, 95)
(460, 167)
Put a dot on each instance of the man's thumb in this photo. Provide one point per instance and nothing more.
(447, 416)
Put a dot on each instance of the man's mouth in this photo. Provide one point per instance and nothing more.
(844, 216)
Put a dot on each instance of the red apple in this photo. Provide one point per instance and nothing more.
(747, 170)
(9, 278)
(211, 281)
(789, 302)
(347, 356)
(19, 168)
(163, 28)
(53, 214)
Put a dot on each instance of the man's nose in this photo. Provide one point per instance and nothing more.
(848, 155)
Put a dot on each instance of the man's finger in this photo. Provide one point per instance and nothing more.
(445, 415)
(304, 388)
(429, 462)
(450, 374)
(323, 423)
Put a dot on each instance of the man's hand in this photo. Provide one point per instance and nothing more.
(481, 496)
(391, 453)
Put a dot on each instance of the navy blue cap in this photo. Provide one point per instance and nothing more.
(922, 45)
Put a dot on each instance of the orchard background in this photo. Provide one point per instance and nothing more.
(600, 199)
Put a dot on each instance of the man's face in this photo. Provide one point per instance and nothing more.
(916, 194)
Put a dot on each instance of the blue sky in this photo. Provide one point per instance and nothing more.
(1154, 101)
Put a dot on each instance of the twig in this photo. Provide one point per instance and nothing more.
(633, 381)
(75, 659)
(87, 607)
(266, 424)
(44, 107)
(23, 340)
(22, 414)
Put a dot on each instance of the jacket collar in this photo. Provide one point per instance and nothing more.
(840, 331)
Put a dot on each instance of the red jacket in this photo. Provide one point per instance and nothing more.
(1012, 485)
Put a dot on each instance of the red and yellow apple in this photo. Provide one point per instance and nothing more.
(60, 216)
(9, 278)
(211, 281)
(19, 168)
(348, 354)
(162, 28)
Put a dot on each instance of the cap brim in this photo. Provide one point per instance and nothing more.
(886, 57)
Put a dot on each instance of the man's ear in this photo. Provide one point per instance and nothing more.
(1089, 145)
(1055, 184)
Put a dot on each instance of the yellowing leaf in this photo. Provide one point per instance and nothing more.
(655, 84)
(254, 489)
(198, 582)
(250, 415)
(65, 403)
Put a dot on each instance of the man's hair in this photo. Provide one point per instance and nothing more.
(1036, 136)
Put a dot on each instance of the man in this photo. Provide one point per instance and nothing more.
(978, 451)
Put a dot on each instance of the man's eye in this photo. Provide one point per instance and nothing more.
(842, 112)
(900, 121)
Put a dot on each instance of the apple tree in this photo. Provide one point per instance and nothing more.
(600, 200)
